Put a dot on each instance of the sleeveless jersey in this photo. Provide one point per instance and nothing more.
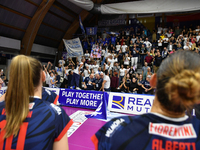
(45, 124)
(149, 132)
(49, 96)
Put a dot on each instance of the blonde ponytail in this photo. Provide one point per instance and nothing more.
(20, 89)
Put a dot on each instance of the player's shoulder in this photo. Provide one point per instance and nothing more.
(56, 110)
(119, 124)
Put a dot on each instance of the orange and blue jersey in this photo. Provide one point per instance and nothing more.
(149, 132)
(45, 124)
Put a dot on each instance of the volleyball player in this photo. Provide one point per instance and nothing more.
(26, 121)
(166, 127)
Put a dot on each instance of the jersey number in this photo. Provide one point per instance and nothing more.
(21, 137)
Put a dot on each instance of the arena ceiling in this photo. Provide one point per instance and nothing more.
(44, 22)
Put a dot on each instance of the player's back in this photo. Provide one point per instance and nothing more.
(41, 128)
(149, 132)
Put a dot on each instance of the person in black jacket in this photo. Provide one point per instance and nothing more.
(133, 88)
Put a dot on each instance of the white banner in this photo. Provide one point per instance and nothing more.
(130, 103)
(73, 47)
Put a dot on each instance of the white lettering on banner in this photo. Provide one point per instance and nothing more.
(89, 95)
(70, 101)
(114, 127)
(78, 118)
(185, 131)
(88, 103)
(130, 103)
(67, 94)
(83, 95)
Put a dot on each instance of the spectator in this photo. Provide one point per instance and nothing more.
(120, 57)
(177, 31)
(126, 60)
(187, 46)
(143, 52)
(158, 60)
(3, 76)
(144, 70)
(165, 53)
(133, 88)
(98, 82)
(140, 82)
(146, 86)
(124, 46)
(123, 86)
(89, 82)
(52, 81)
(131, 71)
(81, 81)
(87, 56)
(148, 44)
(87, 71)
(160, 44)
(122, 72)
(134, 56)
(165, 41)
(149, 59)
(118, 47)
(133, 39)
(60, 71)
(62, 61)
(116, 68)
(114, 82)
(128, 81)
(106, 82)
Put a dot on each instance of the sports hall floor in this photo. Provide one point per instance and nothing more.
(81, 138)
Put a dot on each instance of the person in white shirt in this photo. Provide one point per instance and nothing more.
(126, 60)
(160, 44)
(160, 29)
(133, 39)
(87, 71)
(122, 72)
(62, 61)
(169, 34)
(52, 81)
(76, 74)
(118, 47)
(148, 44)
(165, 41)
(198, 37)
(170, 47)
(95, 67)
(111, 59)
(187, 46)
(87, 55)
(124, 46)
(106, 82)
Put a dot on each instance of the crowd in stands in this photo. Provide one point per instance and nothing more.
(116, 69)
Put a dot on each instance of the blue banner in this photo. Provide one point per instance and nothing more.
(91, 30)
(80, 98)
(81, 25)
(100, 112)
